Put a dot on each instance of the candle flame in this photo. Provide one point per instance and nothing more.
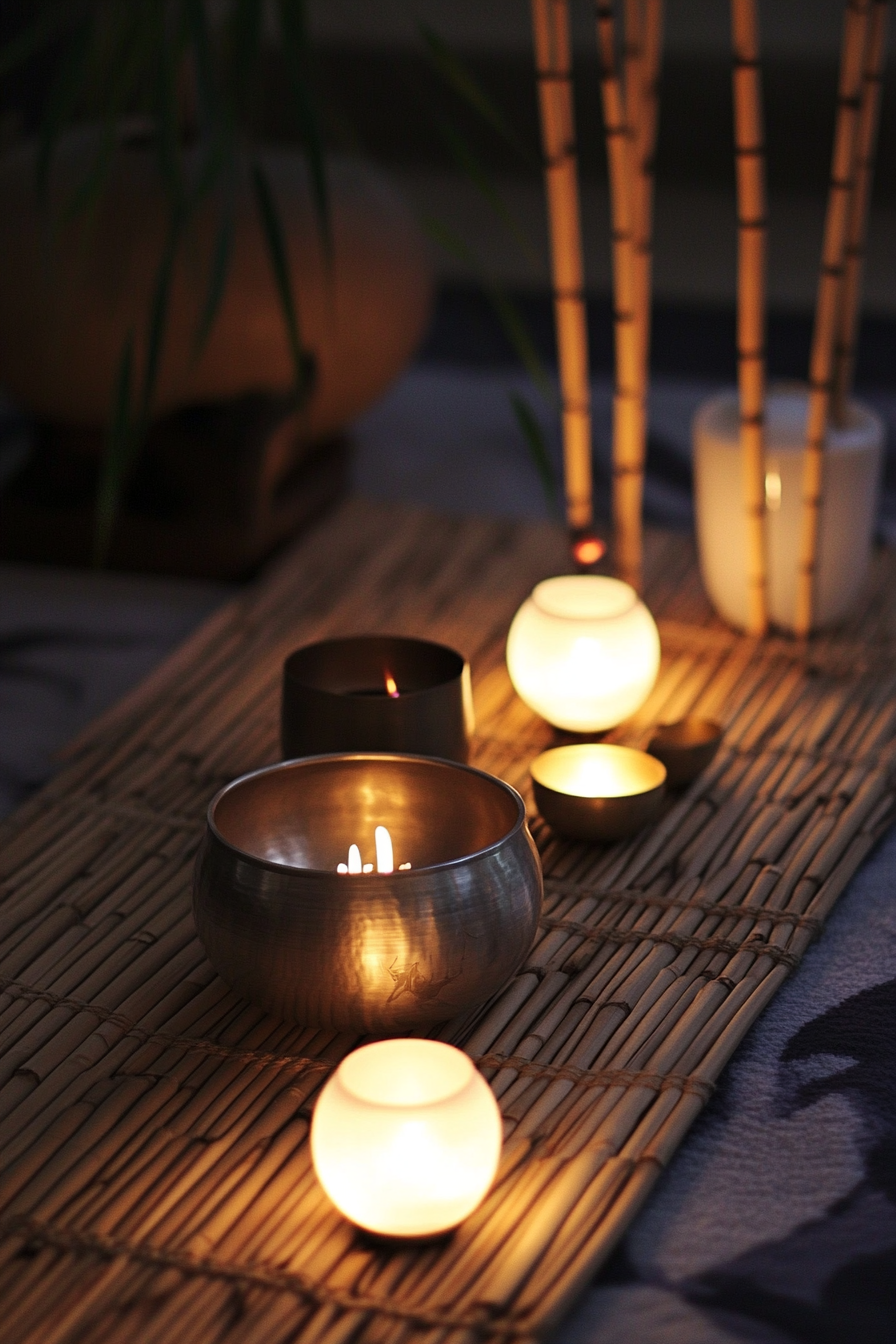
(385, 860)
(391, 685)
(588, 550)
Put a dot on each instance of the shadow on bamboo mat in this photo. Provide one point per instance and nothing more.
(153, 1127)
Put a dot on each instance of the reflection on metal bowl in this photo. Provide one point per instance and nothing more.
(371, 951)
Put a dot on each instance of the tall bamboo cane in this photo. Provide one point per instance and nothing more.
(866, 138)
(643, 116)
(550, 22)
(751, 289)
(830, 284)
(629, 420)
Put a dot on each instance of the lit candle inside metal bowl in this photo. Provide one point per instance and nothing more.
(377, 693)
(406, 1137)
(303, 906)
(597, 791)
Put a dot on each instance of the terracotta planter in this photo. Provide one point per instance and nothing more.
(69, 296)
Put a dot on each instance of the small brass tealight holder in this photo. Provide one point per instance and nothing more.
(377, 693)
(686, 748)
(368, 892)
(598, 792)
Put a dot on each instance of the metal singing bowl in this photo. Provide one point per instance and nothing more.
(378, 952)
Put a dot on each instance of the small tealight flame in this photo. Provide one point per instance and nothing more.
(385, 860)
(391, 685)
(773, 491)
(588, 550)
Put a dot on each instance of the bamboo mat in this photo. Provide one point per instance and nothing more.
(155, 1179)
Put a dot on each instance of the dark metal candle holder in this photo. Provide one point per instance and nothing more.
(377, 693)
(686, 748)
(370, 952)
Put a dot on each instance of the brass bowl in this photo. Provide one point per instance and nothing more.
(596, 791)
(686, 748)
(377, 952)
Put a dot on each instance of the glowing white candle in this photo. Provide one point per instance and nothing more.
(583, 652)
(852, 468)
(406, 1137)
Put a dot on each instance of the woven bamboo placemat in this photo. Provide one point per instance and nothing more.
(155, 1179)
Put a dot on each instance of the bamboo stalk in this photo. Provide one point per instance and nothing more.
(830, 287)
(751, 233)
(550, 24)
(863, 173)
(629, 425)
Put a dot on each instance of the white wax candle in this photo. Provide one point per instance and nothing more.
(852, 468)
(406, 1137)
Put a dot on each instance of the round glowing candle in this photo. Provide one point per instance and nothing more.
(406, 1137)
(583, 652)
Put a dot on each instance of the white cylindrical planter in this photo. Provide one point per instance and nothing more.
(852, 470)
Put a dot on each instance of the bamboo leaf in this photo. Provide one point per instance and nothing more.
(468, 163)
(511, 322)
(206, 83)
(465, 84)
(217, 281)
(118, 454)
(61, 103)
(296, 51)
(273, 232)
(244, 40)
(167, 128)
(535, 442)
(158, 315)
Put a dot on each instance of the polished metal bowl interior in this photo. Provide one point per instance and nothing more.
(686, 748)
(598, 791)
(335, 698)
(371, 952)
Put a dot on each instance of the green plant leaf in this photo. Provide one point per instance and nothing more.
(158, 318)
(465, 84)
(118, 455)
(60, 105)
(217, 281)
(273, 232)
(296, 52)
(535, 442)
(244, 40)
(512, 324)
(469, 165)
(200, 41)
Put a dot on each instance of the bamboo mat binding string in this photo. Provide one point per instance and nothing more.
(154, 1127)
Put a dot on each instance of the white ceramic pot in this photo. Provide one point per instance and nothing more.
(70, 291)
(852, 470)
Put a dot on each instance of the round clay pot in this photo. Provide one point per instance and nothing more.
(70, 291)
